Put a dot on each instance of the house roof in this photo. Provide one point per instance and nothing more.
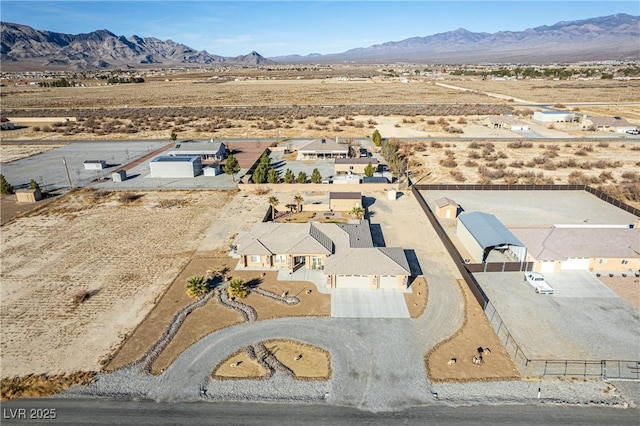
(345, 196)
(609, 121)
(487, 230)
(361, 160)
(324, 145)
(198, 148)
(444, 201)
(349, 246)
(375, 179)
(279, 238)
(370, 261)
(174, 159)
(583, 242)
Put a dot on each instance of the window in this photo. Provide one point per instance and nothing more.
(602, 261)
(625, 262)
(281, 258)
(255, 259)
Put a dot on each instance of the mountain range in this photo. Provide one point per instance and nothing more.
(614, 37)
(23, 47)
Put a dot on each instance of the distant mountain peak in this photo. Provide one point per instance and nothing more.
(22, 44)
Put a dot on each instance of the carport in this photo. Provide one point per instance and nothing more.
(482, 232)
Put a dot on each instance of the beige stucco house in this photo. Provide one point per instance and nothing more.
(557, 249)
(323, 148)
(343, 252)
(606, 124)
(353, 165)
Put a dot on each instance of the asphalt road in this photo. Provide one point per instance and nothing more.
(107, 412)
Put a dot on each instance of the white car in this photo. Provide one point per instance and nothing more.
(538, 282)
(633, 132)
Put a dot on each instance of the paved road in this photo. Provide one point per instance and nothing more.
(107, 412)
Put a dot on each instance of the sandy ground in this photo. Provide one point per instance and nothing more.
(627, 287)
(9, 153)
(77, 244)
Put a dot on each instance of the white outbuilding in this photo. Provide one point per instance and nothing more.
(176, 166)
(554, 116)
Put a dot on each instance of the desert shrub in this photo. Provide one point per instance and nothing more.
(602, 144)
(457, 176)
(470, 163)
(473, 155)
(581, 152)
(517, 164)
(519, 144)
(128, 197)
(475, 145)
(448, 161)
(462, 120)
(605, 176)
(435, 144)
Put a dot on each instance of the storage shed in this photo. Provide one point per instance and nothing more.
(446, 208)
(176, 167)
(119, 176)
(28, 195)
(481, 232)
(95, 165)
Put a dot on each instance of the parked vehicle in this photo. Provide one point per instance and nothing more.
(633, 132)
(538, 282)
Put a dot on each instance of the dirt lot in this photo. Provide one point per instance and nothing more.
(462, 346)
(627, 287)
(9, 153)
(79, 243)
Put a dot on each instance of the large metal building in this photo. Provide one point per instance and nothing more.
(482, 232)
(176, 167)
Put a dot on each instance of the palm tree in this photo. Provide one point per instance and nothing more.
(357, 211)
(237, 288)
(273, 201)
(197, 286)
(298, 199)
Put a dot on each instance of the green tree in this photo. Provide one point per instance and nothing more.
(273, 176)
(260, 174)
(316, 177)
(368, 171)
(273, 202)
(5, 187)
(237, 289)
(231, 167)
(173, 136)
(376, 138)
(34, 185)
(298, 199)
(197, 286)
(289, 177)
(357, 211)
(264, 159)
(302, 177)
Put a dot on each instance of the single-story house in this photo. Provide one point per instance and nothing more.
(480, 233)
(167, 166)
(209, 151)
(554, 116)
(354, 165)
(446, 208)
(323, 148)
(375, 179)
(344, 201)
(505, 122)
(343, 252)
(560, 248)
(606, 124)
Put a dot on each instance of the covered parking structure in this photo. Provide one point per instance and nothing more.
(482, 232)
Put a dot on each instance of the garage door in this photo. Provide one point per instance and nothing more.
(575, 264)
(388, 281)
(352, 281)
(547, 267)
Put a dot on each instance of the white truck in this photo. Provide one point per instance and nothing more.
(538, 282)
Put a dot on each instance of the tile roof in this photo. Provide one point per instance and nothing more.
(345, 196)
(444, 201)
(583, 242)
(324, 145)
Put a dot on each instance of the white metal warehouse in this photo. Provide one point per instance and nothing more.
(482, 232)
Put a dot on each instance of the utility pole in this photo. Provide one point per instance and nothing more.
(64, 161)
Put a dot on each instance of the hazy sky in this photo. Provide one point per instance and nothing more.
(231, 28)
